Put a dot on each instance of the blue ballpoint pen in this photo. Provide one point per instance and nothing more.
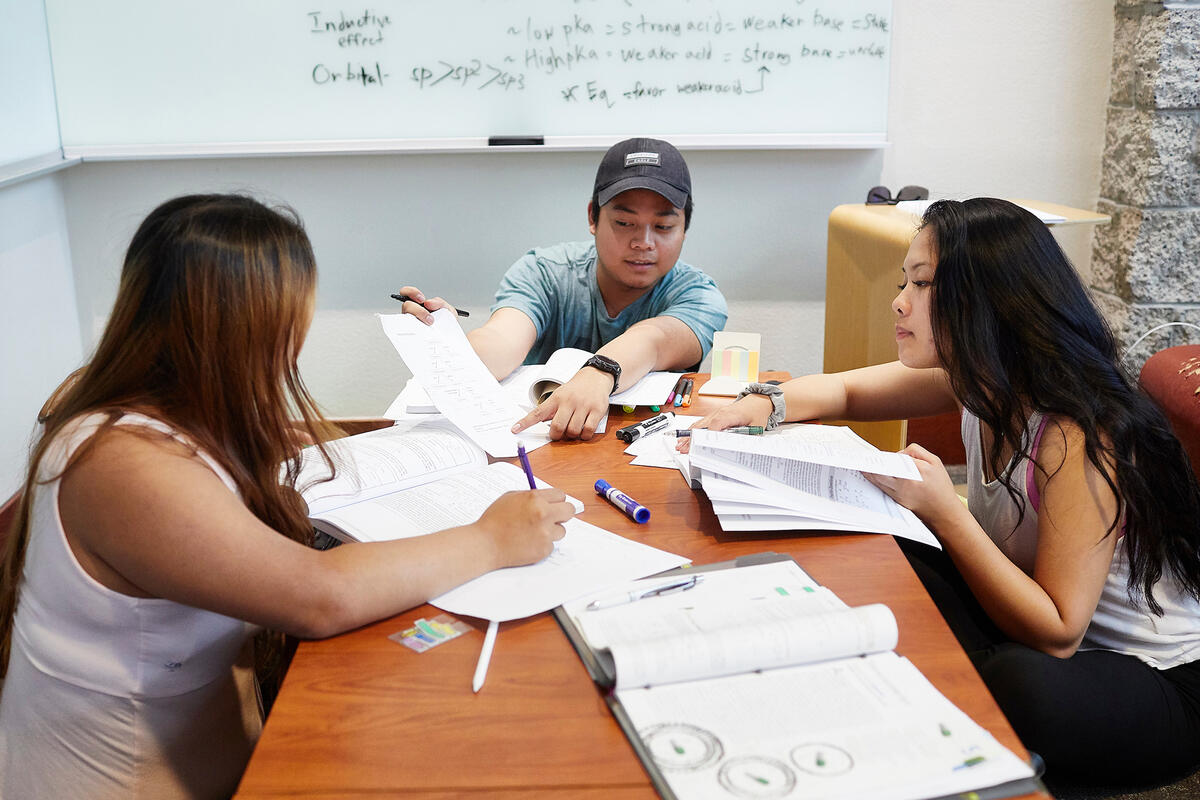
(641, 594)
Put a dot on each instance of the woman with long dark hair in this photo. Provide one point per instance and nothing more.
(154, 533)
(1073, 579)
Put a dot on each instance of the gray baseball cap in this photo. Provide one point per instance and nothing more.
(643, 164)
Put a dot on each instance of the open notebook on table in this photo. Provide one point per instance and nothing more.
(758, 682)
(415, 479)
(406, 480)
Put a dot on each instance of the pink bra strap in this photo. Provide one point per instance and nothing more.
(1031, 490)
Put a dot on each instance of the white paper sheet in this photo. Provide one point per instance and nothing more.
(587, 559)
(658, 449)
(822, 492)
(457, 382)
(831, 445)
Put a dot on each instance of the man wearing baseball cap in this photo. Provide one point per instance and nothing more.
(624, 296)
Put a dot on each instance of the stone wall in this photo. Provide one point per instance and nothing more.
(1146, 263)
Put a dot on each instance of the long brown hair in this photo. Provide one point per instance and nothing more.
(215, 298)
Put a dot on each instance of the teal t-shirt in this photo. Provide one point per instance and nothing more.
(556, 288)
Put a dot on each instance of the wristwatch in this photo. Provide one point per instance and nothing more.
(606, 364)
(775, 393)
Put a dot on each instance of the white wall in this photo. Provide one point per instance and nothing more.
(40, 341)
(1001, 99)
(451, 224)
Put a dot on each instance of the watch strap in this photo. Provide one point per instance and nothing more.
(608, 365)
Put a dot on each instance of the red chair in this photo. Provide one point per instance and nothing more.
(1172, 378)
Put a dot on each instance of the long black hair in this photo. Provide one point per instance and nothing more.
(1016, 330)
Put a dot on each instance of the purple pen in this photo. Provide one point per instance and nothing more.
(525, 464)
(632, 508)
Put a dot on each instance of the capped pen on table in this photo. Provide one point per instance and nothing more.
(489, 639)
(632, 596)
(631, 433)
(687, 393)
(632, 508)
(748, 430)
(524, 457)
(404, 298)
(677, 389)
(485, 655)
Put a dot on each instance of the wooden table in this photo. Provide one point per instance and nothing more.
(360, 715)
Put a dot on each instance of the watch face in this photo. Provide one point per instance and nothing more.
(605, 364)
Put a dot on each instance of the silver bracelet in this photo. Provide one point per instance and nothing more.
(778, 411)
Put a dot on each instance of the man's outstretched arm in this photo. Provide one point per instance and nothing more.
(576, 408)
(501, 343)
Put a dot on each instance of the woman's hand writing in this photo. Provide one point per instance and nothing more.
(524, 525)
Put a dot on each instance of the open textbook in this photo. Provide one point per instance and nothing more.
(758, 682)
(531, 384)
(801, 477)
(407, 480)
(418, 478)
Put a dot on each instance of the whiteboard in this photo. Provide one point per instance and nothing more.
(29, 143)
(142, 78)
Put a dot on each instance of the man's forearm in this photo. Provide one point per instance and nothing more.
(497, 354)
(661, 343)
(503, 341)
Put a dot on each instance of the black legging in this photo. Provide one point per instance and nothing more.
(1098, 717)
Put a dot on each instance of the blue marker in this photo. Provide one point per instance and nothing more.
(632, 508)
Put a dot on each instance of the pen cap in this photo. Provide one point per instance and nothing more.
(602, 486)
(627, 435)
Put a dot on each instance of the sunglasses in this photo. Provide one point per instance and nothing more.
(881, 194)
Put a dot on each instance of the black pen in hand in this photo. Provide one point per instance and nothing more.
(404, 297)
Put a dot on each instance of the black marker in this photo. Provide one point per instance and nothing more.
(403, 297)
(631, 433)
(515, 141)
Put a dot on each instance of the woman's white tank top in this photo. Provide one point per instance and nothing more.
(109, 695)
(1117, 624)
